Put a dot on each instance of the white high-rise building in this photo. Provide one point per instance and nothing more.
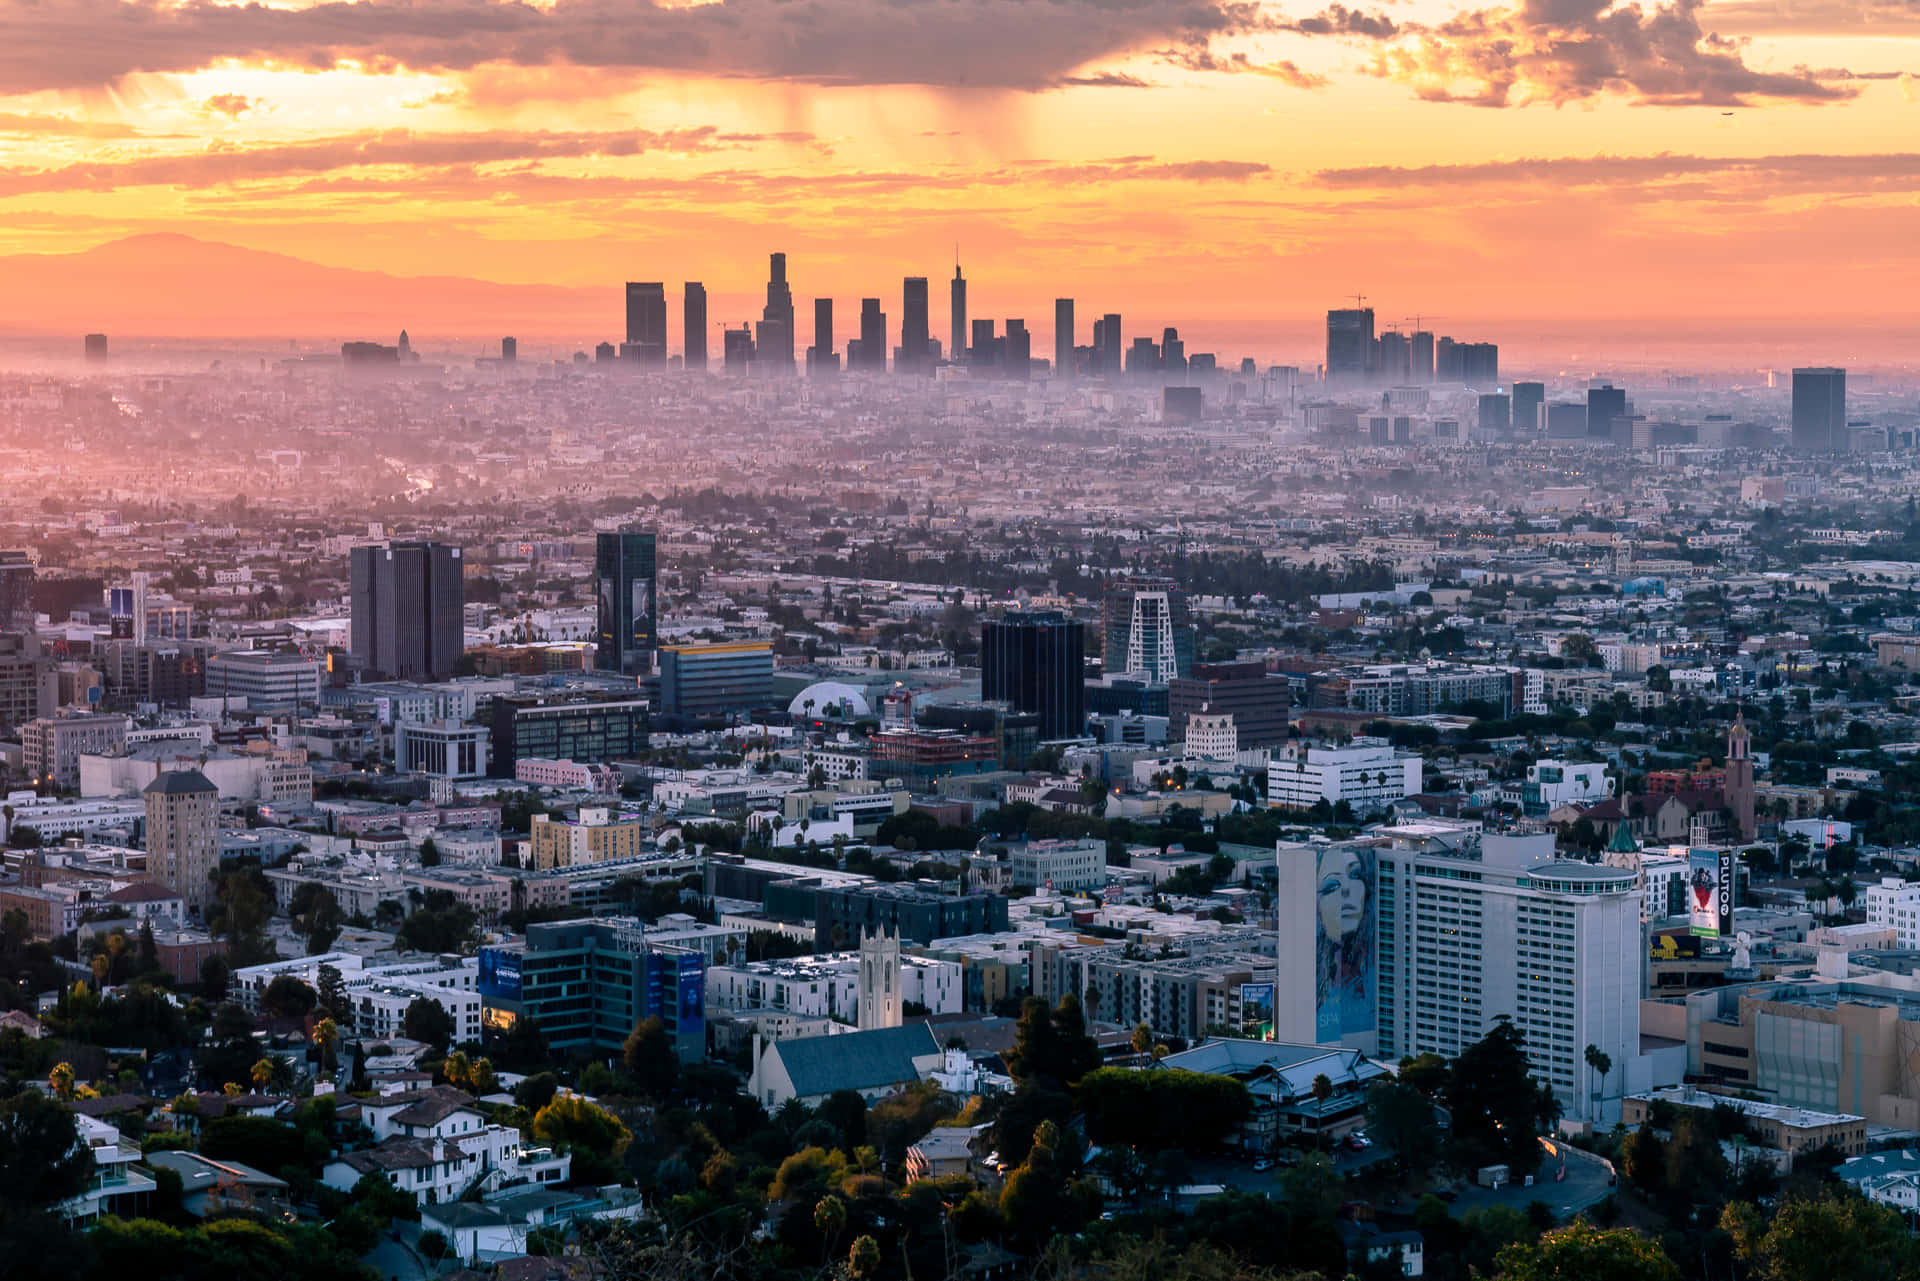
(1894, 905)
(1364, 775)
(1556, 946)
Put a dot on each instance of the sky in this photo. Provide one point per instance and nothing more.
(1585, 178)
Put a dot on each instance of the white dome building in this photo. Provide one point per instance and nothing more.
(830, 700)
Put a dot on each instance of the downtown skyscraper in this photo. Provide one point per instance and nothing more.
(694, 319)
(773, 346)
(957, 332)
(916, 341)
(646, 342)
(1063, 337)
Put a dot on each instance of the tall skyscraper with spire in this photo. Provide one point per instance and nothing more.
(773, 347)
(957, 335)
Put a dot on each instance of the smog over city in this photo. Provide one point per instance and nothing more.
(1014, 640)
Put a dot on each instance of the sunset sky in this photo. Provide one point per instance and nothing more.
(1227, 166)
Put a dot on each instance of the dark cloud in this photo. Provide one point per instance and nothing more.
(1562, 51)
(1851, 172)
(1105, 80)
(1338, 20)
(1854, 18)
(1285, 70)
(1019, 44)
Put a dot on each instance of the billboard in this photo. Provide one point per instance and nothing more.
(1673, 945)
(1344, 990)
(1256, 1010)
(1710, 893)
(499, 974)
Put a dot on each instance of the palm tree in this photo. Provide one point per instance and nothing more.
(262, 1075)
(1322, 1092)
(1598, 1060)
(326, 1035)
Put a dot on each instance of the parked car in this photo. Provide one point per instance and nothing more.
(1262, 1164)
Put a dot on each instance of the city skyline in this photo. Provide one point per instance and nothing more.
(1254, 167)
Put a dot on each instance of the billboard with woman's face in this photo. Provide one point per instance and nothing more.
(1343, 930)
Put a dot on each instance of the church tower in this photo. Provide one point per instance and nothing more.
(1739, 790)
(880, 1004)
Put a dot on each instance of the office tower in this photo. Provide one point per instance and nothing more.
(983, 350)
(29, 686)
(183, 836)
(1182, 404)
(1449, 363)
(873, 337)
(1109, 344)
(773, 351)
(408, 605)
(1820, 410)
(1529, 400)
(509, 350)
(957, 334)
(1420, 357)
(822, 360)
(1173, 355)
(589, 983)
(1464, 937)
(1604, 404)
(1018, 351)
(1256, 702)
(1063, 338)
(736, 347)
(693, 323)
(604, 353)
(1350, 345)
(1480, 363)
(1033, 660)
(16, 591)
(914, 355)
(647, 323)
(1143, 358)
(1146, 628)
(709, 684)
(96, 346)
(1396, 358)
(1201, 365)
(1496, 415)
(625, 573)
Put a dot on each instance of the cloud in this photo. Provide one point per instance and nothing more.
(1104, 80)
(1286, 70)
(230, 105)
(1016, 44)
(1338, 20)
(1852, 172)
(51, 126)
(1854, 18)
(226, 163)
(1562, 51)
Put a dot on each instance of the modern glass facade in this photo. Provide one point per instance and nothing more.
(589, 732)
(625, 572)
(589, 983)
(1034, 660)
(706, 683)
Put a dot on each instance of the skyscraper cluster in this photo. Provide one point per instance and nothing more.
(989, 348)
(1358, 357)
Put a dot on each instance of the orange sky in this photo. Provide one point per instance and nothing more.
(1222, 165)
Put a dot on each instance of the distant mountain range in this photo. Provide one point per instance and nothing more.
(177, 286)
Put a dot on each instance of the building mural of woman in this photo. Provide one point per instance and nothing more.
(1344, 943)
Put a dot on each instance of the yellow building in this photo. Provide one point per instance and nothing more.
(595, 836)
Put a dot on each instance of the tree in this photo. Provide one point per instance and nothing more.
(595, 1137)
(43, 1162)
(332, 994)
(1494, 1102)
(1142, 1038)
(428, 1022)
(1402, 1118)
(863, 1257)
(1600, 1062)
(1158, 1110)
(1583, 1252)
(316, 916)
(287, 998)
(829, 1220)
(650, 1059)
(61, 1079)
(1834, 1234)
(433, 1246)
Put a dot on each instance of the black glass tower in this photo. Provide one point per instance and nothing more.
(1035, 661)
(624, 566)
(409, 604)
(694, 322)
(1820, 410)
